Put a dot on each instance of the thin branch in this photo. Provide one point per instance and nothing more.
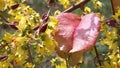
(29, 53)
(97, 56)
(67, 63)
(3, 46)
(13, 64)
(118, 44)
(77, 5)
(119, 49)
(113, 9)
(4, 18)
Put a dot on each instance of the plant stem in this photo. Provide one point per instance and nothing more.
(77, 5)
(97, 55)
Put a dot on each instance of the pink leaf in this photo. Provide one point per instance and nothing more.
(66, 27)
(76, 35)
(86, 33)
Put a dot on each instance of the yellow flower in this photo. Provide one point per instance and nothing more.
(8, 37)
(65, 3)
(57, 12)
(2, 4)
(29, 65)
(22, 24)
(117, 14)
(87, 9)
(58, 62)
(98, 4)
(52, 25)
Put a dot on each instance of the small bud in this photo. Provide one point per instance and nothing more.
(119, 17)
(14, 6)
(2, 58)
(14, 24)
(112, 23)
(45, 17)
(43, 28)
